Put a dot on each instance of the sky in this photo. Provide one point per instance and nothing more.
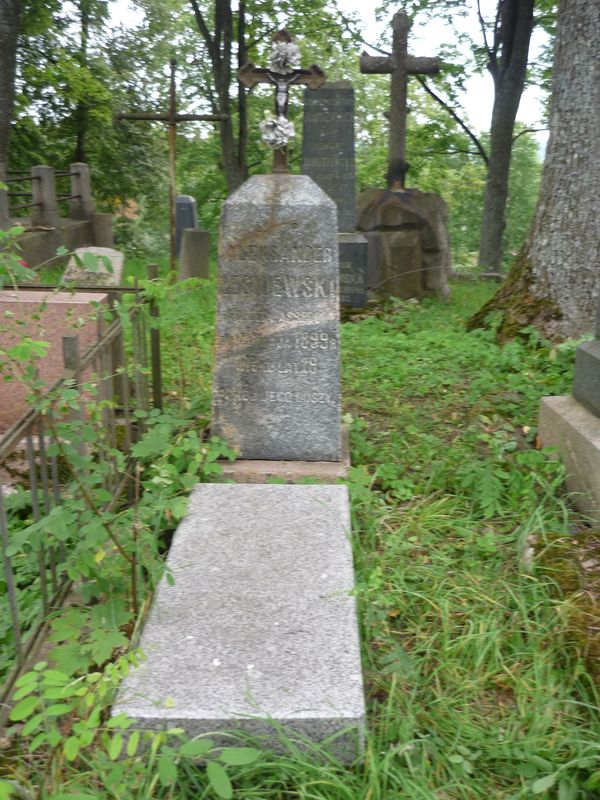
(424, 40)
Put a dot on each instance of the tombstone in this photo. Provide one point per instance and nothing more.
(393, 258)
(80, 276)
(571, 424)
(409, 250)
(194, 258)
(185, 215)
(259, 630)
(328, 158)
(276, 386)
(48, 317)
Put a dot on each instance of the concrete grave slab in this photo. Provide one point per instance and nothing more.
(259, 624)
(83, 277)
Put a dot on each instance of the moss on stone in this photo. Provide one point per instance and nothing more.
(514, 306)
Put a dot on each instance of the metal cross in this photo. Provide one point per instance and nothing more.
(172, 117)
(281, 75)
(400, 64)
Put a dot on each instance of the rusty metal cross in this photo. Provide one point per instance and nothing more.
(172, 117)
(281, 75)
(400, 64)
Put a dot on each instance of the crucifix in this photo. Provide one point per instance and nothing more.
(172, 117)
(284, 71)
(400, 64)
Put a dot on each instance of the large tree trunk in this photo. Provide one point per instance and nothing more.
(9, 32)
(554, 283)
(508, 65)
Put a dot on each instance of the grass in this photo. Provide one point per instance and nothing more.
(474, 688)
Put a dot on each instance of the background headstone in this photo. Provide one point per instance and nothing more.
(195, 254)
(409, 249)
(186, 216)
(47, 317)
(328, 157)
(74, 273)
(276, 387)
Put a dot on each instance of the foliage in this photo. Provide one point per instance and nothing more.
(474, 686)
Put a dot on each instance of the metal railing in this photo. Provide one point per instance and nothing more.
(119, 366)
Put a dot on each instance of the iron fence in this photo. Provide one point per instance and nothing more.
(121, 366)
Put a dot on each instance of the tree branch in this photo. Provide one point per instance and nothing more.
(203, 28)
(528, 130)
(456, 118)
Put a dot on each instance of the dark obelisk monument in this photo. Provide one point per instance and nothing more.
(328, 157)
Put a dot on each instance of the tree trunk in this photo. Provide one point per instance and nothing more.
(508, 71)
(219, 46)
(554, 283)
(9, 32)
(82, 111)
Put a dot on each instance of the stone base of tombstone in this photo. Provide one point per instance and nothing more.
(574, 432)
(194, 255)
(353, 250)
(409, 250)
(248, 471)
(258, 632)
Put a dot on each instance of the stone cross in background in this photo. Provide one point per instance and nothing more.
(400, 64)
(283, 72)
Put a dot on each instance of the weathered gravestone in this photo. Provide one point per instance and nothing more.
(194, 258)
(47, 317)
(259, 628)
(186, 216)
(328, 158)
(571, 424)
(94, 266)
(407, 230)
(276, 386)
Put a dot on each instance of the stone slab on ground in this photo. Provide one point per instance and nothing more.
(586, 380)
(82, 277)
(575, 433)
(259, 624)
(45, 316)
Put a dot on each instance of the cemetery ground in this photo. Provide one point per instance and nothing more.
(477, 625)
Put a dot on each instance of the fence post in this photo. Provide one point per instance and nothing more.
(4, 212)
(43, 190)
(72, 361)
(82, 206)
(155, 345)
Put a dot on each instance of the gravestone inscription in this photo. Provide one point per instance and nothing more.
(328, 157)
(276, 391)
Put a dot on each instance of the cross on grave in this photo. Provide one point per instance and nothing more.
(283, 72)
(400, 64)
(172, 117)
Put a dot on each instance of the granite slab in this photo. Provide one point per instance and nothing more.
(259, 629)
